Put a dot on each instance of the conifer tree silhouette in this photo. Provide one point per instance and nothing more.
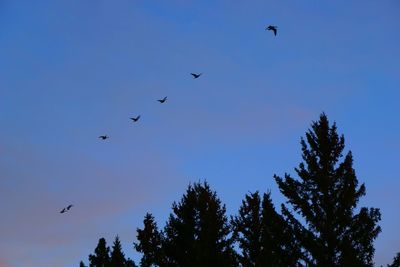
(263, 235)
(150, 243)
(117, 256)
(396, 261)
(101, 257)
(197, 233)
(325, 196)
(247, 230)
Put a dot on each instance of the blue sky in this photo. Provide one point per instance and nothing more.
(73, 70)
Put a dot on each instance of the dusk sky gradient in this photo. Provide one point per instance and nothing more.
(71, 70)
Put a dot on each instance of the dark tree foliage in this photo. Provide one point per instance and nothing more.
(247, 230)
(264, 237)
(326, 196)
(197, 233)
(117, 256)
(130, 263)
(279, 234)
(150, 243)
(101, 257)
(396, 261)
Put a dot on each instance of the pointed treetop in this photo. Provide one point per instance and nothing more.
(326, 195)
(117, 256)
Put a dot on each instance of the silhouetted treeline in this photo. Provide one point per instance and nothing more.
(319, 225)
(104, 257)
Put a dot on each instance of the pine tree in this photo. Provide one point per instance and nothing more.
(326, 195)
(197, 233)
(101, 257)
(396, 261)
(247, 230)
(264, 237)
(279, 246)
(150, 243)
(81, 264)
(117, 256)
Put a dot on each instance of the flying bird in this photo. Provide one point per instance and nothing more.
(135, 119)
(195, 75)
(103, 137)
(69, 206)
(63, 210)
(272, 28)
(162, 100)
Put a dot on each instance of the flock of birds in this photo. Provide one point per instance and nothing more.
(162, 101)
(272, 28)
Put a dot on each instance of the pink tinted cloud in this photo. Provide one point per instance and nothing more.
(34, 232)
(4, 264)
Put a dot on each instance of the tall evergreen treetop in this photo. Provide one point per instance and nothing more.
(325, 196)
(264, 236)
(150, 243)
(247, 230)
(197, 233)
(101, 257)
(117, 256)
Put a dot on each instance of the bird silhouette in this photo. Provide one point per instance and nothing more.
(195, 76)
(135, 119)
(162, 100)
(103, 137)
(69, 206)
(63, 210)
(272, 28)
